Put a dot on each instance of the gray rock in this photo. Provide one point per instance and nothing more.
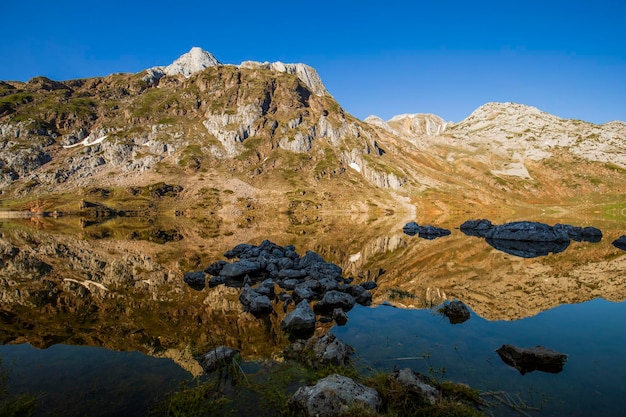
(319, 351)
(361, 295)
(238, 250)
(260, 305)
(332, 396)
(414, 383)
(215, 268)
(289, 284)
(456, 312)
(425, 232)
(340, 316)
(215, 281)
(328, 284)
(300, 321)
(217, 358)
(476, 227)
(620, 242)
(302, 292)
(531, 359)
(335, 299)
(254, 302)
(196, 280)
(240, 268)
(528, 231)
(369, 285)
(591, 234)
(292, 273)
(266, 288)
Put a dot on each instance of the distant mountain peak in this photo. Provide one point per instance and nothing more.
(197, 59)
(411, 125)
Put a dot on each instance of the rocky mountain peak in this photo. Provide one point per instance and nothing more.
(411, 125)
(193, 61)
(198, 59)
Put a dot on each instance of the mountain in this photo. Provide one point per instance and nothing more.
(260, 136)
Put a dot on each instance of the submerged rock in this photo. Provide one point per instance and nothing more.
(531, 359)
(217, 358)
(332, 396)
(319, 351)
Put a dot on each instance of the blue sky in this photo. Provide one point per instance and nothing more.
(385, 58)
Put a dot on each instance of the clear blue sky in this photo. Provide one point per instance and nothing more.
(385, 58)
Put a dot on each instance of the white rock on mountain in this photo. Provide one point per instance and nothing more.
(198, 59)
(534, 134)
(193, 61)
(307, 74)
(411, 125)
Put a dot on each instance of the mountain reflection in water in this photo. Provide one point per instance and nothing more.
(118, 285)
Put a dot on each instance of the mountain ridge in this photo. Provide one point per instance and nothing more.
(274, 127)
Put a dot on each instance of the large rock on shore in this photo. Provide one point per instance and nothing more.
(332, 396)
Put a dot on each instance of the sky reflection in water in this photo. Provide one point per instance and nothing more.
(591, 334)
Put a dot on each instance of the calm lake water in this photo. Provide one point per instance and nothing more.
(96, 318)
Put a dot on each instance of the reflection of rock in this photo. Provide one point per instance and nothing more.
(536, 358)
(425, 232)
(331, 396)
(456, 312)
(217, 358)
(527, 249)
(620, 242)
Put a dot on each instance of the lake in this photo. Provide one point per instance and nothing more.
(96, 318)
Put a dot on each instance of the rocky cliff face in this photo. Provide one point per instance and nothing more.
(176, 122)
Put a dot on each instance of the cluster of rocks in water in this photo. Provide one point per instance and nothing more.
(524, 238)
(261, 270)
(425, 232)
(530, 239)
(271, 274)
